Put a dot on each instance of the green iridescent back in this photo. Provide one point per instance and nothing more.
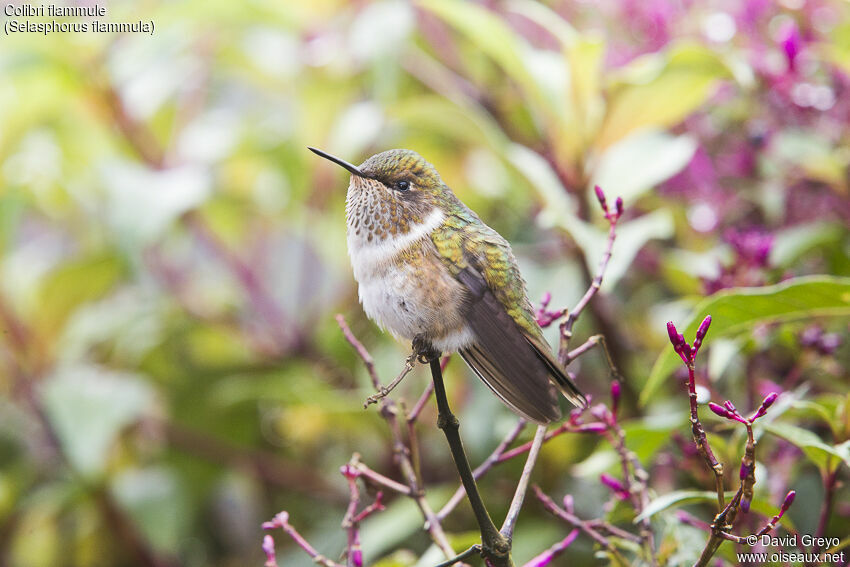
(494, 257)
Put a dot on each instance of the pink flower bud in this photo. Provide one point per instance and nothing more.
(349, 471)
(619, 205)
(703, 328)
(615, 485)
(600, 412)
(766, 403)
(719, 410)
(601, 196)
(616, 390)
(675, 337)
(789, 499)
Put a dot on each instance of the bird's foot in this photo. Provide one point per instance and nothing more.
(384, 391)
(424, 351)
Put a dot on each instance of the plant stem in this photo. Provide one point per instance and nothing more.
(482, 469)
(495, 547)
(522, 486)
(701, 440)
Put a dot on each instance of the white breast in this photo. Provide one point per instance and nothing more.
(389, 290)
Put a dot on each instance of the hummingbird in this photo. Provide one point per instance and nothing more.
(430, 271)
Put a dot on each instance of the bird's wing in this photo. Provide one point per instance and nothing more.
(509, 353)
(501, 355)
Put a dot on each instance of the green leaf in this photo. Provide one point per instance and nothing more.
(737, 310)
(88, 406)
(677, 498)
(581, 110)
(560, 206)
(793, 242)
(492, 36)
(142, 203)
(640, 161)
(814, 410)
(153, 499)
(659, 90)
(71, 285)
(814, 154)
(813, 446)
(646, 436)
(461, 119)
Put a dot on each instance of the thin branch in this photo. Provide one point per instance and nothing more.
(360, 349)
(550, 554)
(566, 427)
(282, 521)
(482, 469)
(382, 480)
(725, 519)
(474, 550)
(351, 521)
(390, 411)
(522, 486)
(495, 547)
(688, 355)
(566, 327)
(354, 553)
(635, 476)
(420, 403)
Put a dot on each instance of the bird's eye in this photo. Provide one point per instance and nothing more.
(402, 185)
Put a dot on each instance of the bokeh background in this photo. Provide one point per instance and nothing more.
(172, 259)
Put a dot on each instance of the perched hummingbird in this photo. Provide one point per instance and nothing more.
(429, 270)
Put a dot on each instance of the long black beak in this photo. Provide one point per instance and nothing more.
(341, 162)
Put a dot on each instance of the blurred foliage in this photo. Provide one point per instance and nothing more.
(172, 258)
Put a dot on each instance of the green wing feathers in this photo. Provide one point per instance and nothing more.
(510, 353)
(485, 250)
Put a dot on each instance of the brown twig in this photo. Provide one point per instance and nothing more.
(566, 328)
(282, 521)
(352, 519)
(688, 355)
(384, 481)
(390, 411)
(384, 391)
